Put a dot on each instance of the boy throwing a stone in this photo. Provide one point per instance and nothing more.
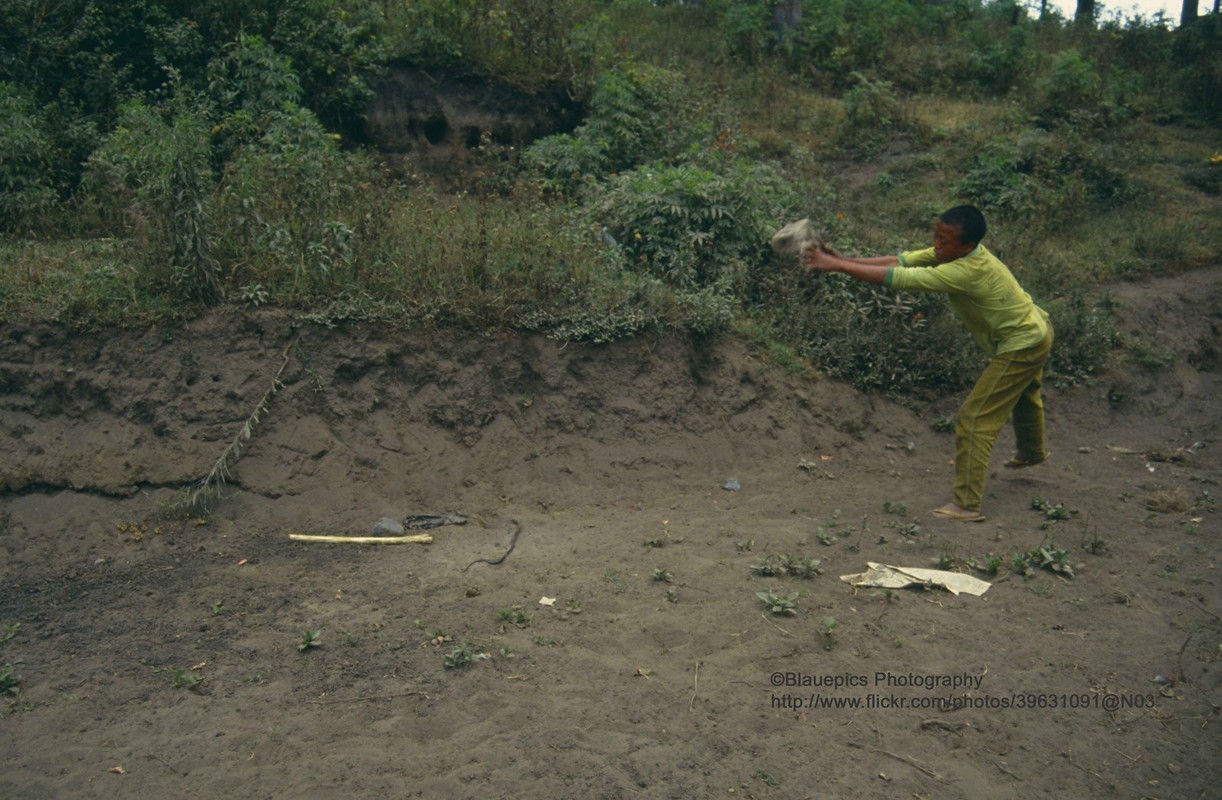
(1008, 326)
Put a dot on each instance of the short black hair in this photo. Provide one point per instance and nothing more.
(968, 220)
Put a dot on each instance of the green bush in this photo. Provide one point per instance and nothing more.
(872, 338)
(155, 170)
(1043, 173)
(699, 224)
(873, 115)
(1086, 335)
(638, 114)
(288, 206)
(531, 43)
(1197, 56)
(27, 162)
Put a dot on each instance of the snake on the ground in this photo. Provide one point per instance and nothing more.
(513, 542)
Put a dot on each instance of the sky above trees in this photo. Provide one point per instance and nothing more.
(1147, 8)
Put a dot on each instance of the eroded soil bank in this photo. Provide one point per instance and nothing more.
(157, 655)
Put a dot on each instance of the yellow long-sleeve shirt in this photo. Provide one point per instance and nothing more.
(1000, 316)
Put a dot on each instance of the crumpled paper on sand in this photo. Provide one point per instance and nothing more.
(885, 576)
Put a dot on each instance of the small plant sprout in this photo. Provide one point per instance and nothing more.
(779, 606)
(185, 679)
(1046, 556)
(801, 566)
(1055, 559)
(515, 616)
(899, 509)
(309, 639)
(663, 575)
(992, 563)
(9, 681)
(462, 655)
(664, 539)
(1094, 544)
(827, 632)
(1052, 513)
(672, 595)
(765, 568)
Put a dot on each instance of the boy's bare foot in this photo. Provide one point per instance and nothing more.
(958, 513)
(1018, 462)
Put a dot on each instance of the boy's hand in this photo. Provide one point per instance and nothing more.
(817, 259)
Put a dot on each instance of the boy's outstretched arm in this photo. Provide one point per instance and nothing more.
(869, 270)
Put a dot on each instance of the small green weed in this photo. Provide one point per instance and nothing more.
(9, 681)
(617, 583)
(8, 631)
(894, 508)
(186, 679)
(461, 655)
(765, 567)
(1095, 544)
(1051, 512)
(778, 605)
(1045, 556)
(663, 575)
(515, 616)
(827, 632)
(801, 566)
(309, 640)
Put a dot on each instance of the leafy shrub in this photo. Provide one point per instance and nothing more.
(637, 115)
(1198, 59)
(286, 203)
(875, 339)
(528, 42)
(249, 83)
(696, 225)
(1042, 173)
(1000, 179)
(873, 114)
(999, 65)
(1086, 334)
(1072, 94)
(156, 168)
(27, 159)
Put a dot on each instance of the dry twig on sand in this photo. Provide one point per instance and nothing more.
(209, 488)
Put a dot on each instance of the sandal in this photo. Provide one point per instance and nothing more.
(953, 512)
(1019, 462)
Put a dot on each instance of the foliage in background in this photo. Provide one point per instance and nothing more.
(638, 114)
(203, 154)
(27, 163)
(155, 172)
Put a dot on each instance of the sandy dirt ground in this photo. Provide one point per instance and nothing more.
(620, 650)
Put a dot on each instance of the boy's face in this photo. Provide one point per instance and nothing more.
(947, 243)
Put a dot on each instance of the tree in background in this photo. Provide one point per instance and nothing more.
(1188, 12)
(1085, 13)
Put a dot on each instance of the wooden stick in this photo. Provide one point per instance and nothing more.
(421, 538)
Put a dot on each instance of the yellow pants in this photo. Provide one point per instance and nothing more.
(1008, 389)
